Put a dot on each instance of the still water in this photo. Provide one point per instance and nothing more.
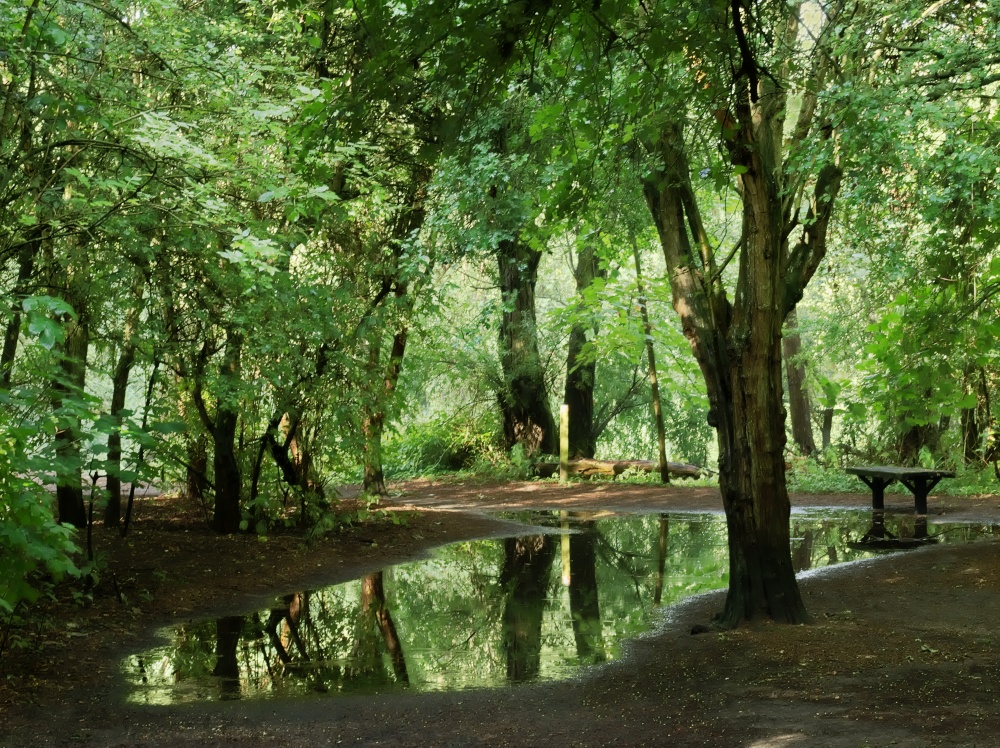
(487, 613)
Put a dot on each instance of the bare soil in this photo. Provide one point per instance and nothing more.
(902, 650)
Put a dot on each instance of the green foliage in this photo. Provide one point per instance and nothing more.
(35, 551)
(815, 476)
(444, 444)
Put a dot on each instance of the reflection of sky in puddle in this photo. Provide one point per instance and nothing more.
(481, 614)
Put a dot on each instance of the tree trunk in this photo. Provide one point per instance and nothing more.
(580, 376)
(197, 468)
(524, 401)
(25, 268)
(798, 393)
(752, 481)
(70, 281)
(228, 481)
(407, 225)
(73, 368)
(654, 385)
(975, 420)
(738, 348)
(119, 382)
(827, 429)
(919, 435)
(373, 422)
(222, 429)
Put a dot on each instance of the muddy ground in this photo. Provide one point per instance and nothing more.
(902, 650)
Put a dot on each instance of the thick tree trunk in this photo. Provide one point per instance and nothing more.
(916, 437)
(798, 393)
(752, 483)
(73, 367)
(228, 481)
(524, 400)
(222, 428)
(738, 349)
(581, 376)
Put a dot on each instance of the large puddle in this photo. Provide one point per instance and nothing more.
(488, 613)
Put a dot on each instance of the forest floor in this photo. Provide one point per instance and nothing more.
(903, 650)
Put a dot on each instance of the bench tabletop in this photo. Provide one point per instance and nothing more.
(888, 471)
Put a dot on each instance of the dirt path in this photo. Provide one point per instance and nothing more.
(902, 652)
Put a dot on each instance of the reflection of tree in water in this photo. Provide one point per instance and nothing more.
(306, 639)
(802, 552)
(282, 628)
(525, 578)
(583, 600)
(375, 634)
(661, 557)
(227, 640)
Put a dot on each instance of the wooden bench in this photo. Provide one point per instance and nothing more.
(920, 481)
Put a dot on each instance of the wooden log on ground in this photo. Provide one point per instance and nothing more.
(612, 468)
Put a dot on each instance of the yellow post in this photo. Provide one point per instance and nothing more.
(564, 443)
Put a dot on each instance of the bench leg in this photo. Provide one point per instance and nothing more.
(877, 485)
(920, 487)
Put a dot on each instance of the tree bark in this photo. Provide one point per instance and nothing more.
(581, 376)
(73, 367)
(25, 269)
(975, 420)
(408, 224)
(827, 430)
(70, 385)
(228, 482)
(373, 422)
(738, 346)
(798, 393)
(654, 385)
(119, 383)
(222, 429)
(524, 400)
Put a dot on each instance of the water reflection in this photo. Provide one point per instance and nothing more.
(488, 613)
